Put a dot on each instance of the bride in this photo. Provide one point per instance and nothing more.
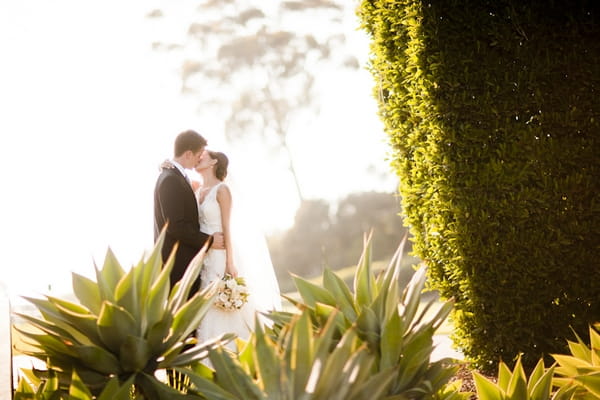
(245, 254)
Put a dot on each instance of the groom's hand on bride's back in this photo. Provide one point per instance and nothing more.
(218, 242)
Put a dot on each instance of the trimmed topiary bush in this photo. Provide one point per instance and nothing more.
(493, 112)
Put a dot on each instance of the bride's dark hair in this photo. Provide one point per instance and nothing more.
(221, 165)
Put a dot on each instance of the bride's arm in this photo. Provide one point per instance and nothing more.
(224, 200)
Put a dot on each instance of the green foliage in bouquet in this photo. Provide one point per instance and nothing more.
(493, 115)
(389, 320)
(127, 326)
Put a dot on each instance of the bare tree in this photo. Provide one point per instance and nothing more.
(256, 64)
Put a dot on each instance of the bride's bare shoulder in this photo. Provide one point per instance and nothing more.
(223, 190)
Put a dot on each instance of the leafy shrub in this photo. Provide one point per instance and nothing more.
(493, 114)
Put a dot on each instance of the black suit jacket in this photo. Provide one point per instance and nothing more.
(175, 203)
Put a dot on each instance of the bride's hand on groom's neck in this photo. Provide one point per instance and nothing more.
(167, 164)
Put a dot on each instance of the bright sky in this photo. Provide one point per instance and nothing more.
(88, 111)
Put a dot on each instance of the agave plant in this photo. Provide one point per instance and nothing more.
(301, 364)
(514, 385)
(388, 319)
(49, 388)
(127, 325)
(579, 373)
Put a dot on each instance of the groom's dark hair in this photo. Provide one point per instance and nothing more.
(188, 140)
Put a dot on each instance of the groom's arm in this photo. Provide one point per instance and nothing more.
(174, 213)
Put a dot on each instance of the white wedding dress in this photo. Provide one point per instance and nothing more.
(253, 264)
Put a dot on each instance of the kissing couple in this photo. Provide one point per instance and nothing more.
(211, 212)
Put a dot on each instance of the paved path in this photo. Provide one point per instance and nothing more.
(5, 347)
(444, 348)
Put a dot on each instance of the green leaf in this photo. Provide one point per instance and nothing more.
(536, 375)
(267, 363)
(181, 290)
(368, 327)
(189, 316)
(412, 295)
(364, 285)
(24, 390)
(391, 342)
(338, 289)
(114, 391)
(323, 312)
(486, 390)
(199, 351)
(114, 325)
(158, 333)
(98, 359)
(311, 293)
(135, 353)
(77, 389)
(302, 348)
(127, 296)
(69, 334)
(591, 382)
(155, 306)
(207, 387)
(517, 387)
(542, 388)
(232, 376)
(109, 276)
(87, 292)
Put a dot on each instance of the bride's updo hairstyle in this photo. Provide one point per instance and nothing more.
(221, 165)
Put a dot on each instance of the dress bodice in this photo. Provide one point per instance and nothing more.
(209, 213)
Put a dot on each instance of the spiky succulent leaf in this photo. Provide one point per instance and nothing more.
(181, 290)
(125, 324)
(87, 292)
(98, 359)
(390, 346)
(109, 276)
(77, 389)
(364, 281)
(198, 352)
(115, 391)
(337, 287)
(187, 318)
(206, 386)
(126, 292)
(114, 325)
(232, 376)
(312, 294)
(267, 362)
(158, 294)
(486, 389)
(135, 354)
(391, 320)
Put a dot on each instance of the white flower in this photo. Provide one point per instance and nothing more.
(232, 293)
(223, 297)
(230, 283)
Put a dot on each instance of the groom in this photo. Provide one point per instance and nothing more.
(175, 204)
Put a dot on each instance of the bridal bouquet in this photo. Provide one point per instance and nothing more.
(232, 293)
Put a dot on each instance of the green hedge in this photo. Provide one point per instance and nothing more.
(492, 110)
